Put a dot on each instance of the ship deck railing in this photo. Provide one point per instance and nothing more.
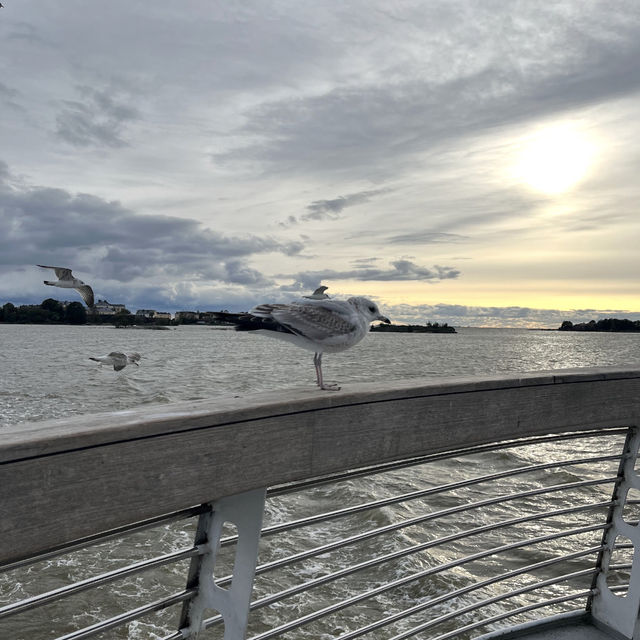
(493, 507)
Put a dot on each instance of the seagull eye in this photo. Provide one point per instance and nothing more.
(372, 309)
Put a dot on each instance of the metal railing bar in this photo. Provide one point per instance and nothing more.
(383, 622)
(525, 609)
(514, 612)
(493, 600)
(298, 622)
(281, 595)
(544, 583)
(128, 616)
(501, 616)
(177, 556)
(82, 543)
(414, 495)
(372, 533)
(477, 585)
(96, 581)
(438, 541)
(435, 457)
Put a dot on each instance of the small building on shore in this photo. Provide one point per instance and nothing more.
(106, 308)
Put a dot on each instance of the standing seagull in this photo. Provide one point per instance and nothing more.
(317, 325)
(318, 294)
(118, 359)
(68, 281)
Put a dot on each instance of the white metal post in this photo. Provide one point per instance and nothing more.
(621, 612)
(245, 511)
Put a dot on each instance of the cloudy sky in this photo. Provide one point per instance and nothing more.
(474, 162)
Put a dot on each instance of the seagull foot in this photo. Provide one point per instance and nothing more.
(330, 387)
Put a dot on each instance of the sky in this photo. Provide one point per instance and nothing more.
(469, 162)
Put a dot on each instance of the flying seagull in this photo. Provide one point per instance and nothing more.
(318, 294)
(68, 281)
(316, 325)
(118, 359)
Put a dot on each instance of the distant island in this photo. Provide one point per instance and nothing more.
(413, 328)
(607, 324)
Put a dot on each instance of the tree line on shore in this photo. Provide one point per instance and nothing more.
(606, 324)
(52, 311)
(414, 328)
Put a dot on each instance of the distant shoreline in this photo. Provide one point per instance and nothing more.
(413, 328)
(609, 325)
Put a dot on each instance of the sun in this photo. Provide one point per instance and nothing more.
(555, 159)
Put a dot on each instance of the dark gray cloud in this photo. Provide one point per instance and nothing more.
(331, 209)
(52, 226)
(98, 119)
(400, 270)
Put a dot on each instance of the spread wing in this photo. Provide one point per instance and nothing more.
(119, 360)
(86, 292)
(320, 321)
(62, 273)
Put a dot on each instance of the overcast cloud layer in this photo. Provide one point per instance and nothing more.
(214, 155)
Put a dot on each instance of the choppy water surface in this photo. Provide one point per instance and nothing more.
(45, 373)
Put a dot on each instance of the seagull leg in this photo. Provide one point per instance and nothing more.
(317, 361)
(316, 364)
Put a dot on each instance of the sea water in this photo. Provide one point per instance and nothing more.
(45, 372)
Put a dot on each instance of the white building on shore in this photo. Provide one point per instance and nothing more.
(106, 308)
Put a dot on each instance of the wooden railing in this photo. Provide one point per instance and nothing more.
(66, 483)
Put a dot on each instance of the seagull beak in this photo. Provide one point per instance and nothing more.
(384, 319)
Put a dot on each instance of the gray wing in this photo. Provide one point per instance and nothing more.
(318, 294)
(319, 321)
(87, 294)
(119, 360)
(62, 273)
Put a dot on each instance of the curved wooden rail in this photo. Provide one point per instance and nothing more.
(65, 479)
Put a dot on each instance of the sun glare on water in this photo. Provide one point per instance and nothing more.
(555, 159)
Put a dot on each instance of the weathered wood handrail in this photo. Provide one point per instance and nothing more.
(65, 479)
